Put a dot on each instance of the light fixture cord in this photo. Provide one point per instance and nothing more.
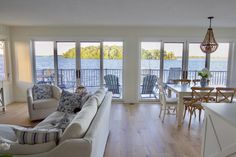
(210, 22)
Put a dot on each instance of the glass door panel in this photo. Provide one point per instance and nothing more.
(113, 66)
(196, 60)
(150, 65)
(44, 62)
(90, 66)
(2, 60)
(173, 59)
(219, 64)
(66, 56)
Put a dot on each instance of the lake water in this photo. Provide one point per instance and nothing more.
(66, 63)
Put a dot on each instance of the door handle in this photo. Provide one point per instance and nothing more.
(78, 74)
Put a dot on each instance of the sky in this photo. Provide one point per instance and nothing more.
(194, 48)
(45, 48)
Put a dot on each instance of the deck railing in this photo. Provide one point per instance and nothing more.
(91, 77)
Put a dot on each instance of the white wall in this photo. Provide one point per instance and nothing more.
(7, 84)
(21, 36)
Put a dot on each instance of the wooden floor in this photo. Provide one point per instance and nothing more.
(136, 131)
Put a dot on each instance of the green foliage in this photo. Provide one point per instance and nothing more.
(155, 55)
(115, 52)
(93, 52)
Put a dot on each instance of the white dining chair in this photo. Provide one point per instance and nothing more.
(166, 103)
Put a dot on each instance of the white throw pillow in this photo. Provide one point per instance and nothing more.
(80, 124)
(36, 136)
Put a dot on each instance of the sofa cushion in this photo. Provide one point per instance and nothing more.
(53, 120)
(99, 95)
(45, 103)
(42, 91)
(26, 149)
(69, 102)
(80, 124)
(7, 132)
(36, 136)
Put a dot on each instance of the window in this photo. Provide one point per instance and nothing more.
(65, 67)
(219, 64)
(196, 60)
(173, 59)
(113, 63)
(66, 57)
(90, 66)
(150, 65)
(44, 62)
(2, 61)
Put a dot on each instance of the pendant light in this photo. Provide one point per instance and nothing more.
(209, 43)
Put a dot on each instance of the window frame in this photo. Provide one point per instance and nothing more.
(6, 74)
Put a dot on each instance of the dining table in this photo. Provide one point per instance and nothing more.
(181, 91)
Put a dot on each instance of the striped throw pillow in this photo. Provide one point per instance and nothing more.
(36, 136)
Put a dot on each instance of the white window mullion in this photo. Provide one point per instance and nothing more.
(56, 70)
(162, 61)
(78, 64)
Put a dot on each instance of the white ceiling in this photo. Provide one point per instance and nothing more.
(118, 12)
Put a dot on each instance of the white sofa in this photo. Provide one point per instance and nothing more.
(40, 109)
(91, 143)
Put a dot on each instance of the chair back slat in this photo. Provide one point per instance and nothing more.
(174, 73)
(162, 95)
(201, 94)
(225, 95)
(112, 83)
(149, 83)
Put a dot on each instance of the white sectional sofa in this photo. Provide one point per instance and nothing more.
(85, 136)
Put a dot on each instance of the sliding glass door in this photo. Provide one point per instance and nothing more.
(219, 64)
(90, 65)
(113, 67)
(196, 60)
(150, 68)
(69, 63)
(2, 60)
(44, 62)
(66, 67)
(172, 61)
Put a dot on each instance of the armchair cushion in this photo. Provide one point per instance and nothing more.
(45, 104)
(42, 91)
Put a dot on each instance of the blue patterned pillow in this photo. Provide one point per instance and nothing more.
(69, 102)
(42, 91)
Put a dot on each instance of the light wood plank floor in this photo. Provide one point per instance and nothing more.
(136, 131)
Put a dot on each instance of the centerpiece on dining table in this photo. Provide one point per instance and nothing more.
(205, 74)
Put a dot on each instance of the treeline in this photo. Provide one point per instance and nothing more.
(93, 52)
(115, 52)
(155, 55)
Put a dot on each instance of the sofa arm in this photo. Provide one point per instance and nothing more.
(71, 148)
(56, 92)
(29, 98)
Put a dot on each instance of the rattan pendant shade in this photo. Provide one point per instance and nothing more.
(209, 43)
